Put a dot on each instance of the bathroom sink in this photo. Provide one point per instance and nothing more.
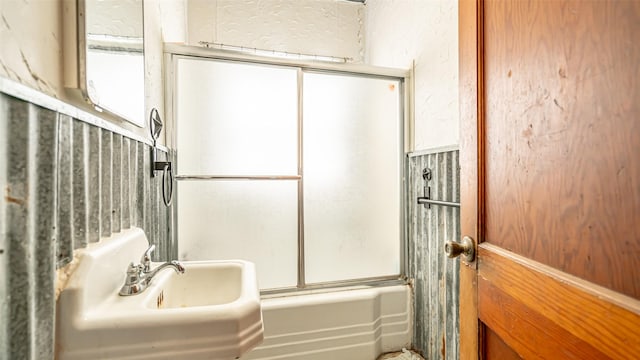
(212, 311)
(204, 283)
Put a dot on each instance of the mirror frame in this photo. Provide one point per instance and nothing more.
(75, 46)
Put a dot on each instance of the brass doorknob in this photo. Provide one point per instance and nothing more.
(466, 248)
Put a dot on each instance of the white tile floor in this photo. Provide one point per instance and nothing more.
(401, 355)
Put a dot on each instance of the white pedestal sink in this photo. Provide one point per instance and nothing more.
(212, 311)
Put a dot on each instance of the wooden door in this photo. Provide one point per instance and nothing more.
(550, 178)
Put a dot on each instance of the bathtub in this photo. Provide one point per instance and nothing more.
(356, 324)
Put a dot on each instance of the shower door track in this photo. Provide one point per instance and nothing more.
(238, 177)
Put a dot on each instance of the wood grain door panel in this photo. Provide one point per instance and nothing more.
(496, 348)
(563, 136)
(550, 178)
(544, 313)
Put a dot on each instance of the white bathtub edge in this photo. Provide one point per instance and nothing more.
(343, 325)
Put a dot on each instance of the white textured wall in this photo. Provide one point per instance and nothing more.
(115, 17)
(164, 21)
(31, 50)
(31, 44)
(400, 31)
(318, 27)
(173, 20)
(384, 32)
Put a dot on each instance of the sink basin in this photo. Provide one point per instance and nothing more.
(212, 311)
(221, 282)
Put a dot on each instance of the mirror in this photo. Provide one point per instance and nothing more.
(113, 56)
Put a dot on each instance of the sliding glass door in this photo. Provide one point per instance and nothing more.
(294, 169)
(351, 177)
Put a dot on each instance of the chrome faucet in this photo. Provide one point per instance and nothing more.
(140, 275)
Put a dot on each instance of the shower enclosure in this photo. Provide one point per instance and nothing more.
(295, 166)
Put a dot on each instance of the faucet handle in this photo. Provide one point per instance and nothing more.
(133, 274)
(145, 260)
(133, 268)
(132, 284)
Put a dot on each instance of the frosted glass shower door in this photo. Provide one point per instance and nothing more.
(352, 169)
(296, 169)
(238, 122)
(236, 118)
(249, 220)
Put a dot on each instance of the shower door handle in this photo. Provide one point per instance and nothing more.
(466, 248)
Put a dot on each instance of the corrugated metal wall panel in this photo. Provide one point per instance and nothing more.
(435, 277)
(80, 184)
(65, 183)
(4, 241)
